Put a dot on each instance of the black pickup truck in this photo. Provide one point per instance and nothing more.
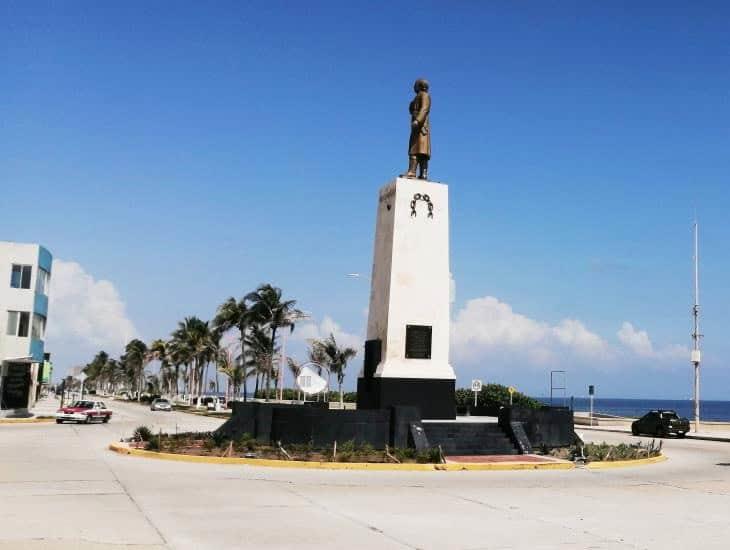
(660, 423)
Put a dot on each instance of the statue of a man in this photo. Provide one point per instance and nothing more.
(419, 146)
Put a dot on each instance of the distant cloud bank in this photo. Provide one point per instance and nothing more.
(85, 314)
(487, 329)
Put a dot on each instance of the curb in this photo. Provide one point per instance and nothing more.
(625, 463)
(628, 432)
(32, 420)
(448, 467)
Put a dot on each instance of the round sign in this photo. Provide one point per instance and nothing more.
(512, 389)
(476, 386)
(309, 381)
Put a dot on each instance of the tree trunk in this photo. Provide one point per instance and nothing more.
(271, 361)
(243, 363)
(342, 400)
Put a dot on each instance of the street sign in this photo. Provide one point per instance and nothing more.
(591, 393)
(511, 390)
(476, 387)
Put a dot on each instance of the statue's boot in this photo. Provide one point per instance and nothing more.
(424, 170)
(412, 165)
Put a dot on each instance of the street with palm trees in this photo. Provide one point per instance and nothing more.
(242, 344)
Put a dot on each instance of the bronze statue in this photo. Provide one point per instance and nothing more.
(419, 146)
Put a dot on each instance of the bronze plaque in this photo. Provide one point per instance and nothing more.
(418, 342)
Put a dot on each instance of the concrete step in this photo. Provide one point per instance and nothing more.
(469, 438)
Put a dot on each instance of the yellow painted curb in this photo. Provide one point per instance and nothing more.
(300, 464)
(625, 463)
(32, 420)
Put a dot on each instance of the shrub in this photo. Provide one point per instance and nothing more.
(218, 438)
(404, 454)
(245, 443)
(604, 452)
(142, 433)
(494, 395)
(429, 456)
(347, 447)
(153, 444)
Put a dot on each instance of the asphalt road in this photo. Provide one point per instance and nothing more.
(60, 488)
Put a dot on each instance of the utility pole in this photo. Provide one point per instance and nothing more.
(696, 355)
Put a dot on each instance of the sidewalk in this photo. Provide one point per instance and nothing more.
(46, 406)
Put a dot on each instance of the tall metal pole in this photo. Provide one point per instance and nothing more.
(696, 354)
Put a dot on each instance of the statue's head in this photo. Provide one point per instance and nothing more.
(420, 85)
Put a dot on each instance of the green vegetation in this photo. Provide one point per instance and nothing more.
(601, 452)
(294, 395)
(605, 452)
(494, 396)
(142, 433)
(216, 444)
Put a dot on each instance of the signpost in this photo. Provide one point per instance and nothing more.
(591, 392)
(476, 387)
(511, 391)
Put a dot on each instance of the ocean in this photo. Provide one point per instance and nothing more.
(709, 410)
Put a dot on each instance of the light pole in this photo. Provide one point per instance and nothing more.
(696, 354)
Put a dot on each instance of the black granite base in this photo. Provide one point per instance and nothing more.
(434, 398)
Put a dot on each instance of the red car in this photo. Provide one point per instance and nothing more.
(84, 411)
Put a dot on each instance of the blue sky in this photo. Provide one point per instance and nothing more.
(187, 152)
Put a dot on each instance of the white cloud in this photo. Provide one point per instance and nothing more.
(85, 313)
(486, 329)
(635, 340)
(308, 331)
(639, 343)
(486, 326)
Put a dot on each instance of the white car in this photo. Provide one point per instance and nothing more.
(161, 405)
(84, 411)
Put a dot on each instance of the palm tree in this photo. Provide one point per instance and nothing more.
(273, 312)
(337, 358)
(235, 314)
(135, 359)
(158, 352)
(259, 354)
(94, 371)
(179, 354)
(114, 374)
(232, 368)
(294, 368)
(197, 339)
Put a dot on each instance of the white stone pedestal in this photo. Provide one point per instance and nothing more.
(410, 287)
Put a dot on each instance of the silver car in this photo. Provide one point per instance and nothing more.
(161, 405)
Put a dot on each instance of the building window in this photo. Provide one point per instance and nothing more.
(41, 283)
(20, 276)
(18, 323)
(38, 329)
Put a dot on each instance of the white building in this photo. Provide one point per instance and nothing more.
(25, 271)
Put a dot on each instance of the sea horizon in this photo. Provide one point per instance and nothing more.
(710, 409)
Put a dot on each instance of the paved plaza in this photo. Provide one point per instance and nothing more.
(60, 488)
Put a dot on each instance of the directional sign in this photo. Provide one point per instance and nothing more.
(476, 386)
